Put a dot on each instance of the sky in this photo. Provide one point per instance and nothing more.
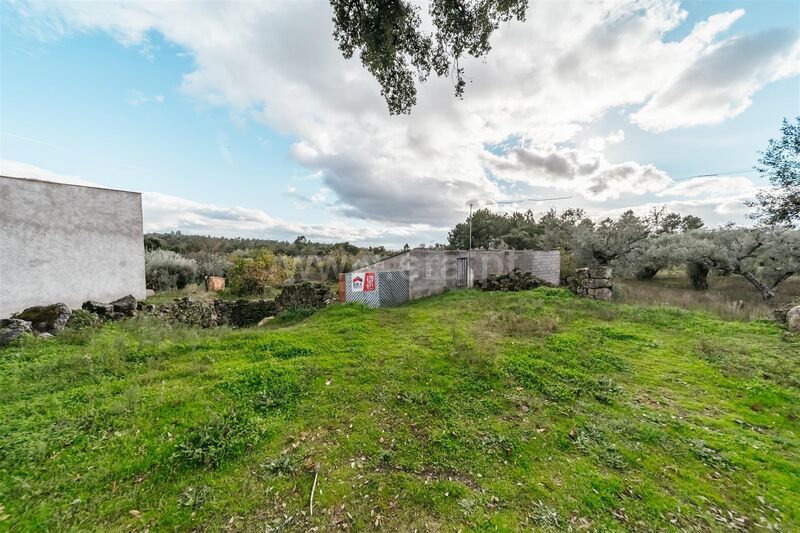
(244, 119)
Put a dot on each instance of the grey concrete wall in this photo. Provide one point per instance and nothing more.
(433, 271)
(67, 243)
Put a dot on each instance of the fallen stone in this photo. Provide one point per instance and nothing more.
(779, 313)
(12, 329)
(149, 292)
(98, 308)
(46, 319)
(516, 280)
(793, 319)
(125, 305)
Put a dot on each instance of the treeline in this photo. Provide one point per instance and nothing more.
(181, 243)
(251, 266)
(642, 246)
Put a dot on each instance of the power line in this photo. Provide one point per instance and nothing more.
(532, 200)
(477, 203)
(714, 175)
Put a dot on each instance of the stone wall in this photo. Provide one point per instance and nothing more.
(595, 283)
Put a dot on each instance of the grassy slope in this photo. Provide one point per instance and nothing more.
(474, 410)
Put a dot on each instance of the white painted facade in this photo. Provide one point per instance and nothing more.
(68, 243)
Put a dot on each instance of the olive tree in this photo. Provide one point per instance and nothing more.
(764, 256)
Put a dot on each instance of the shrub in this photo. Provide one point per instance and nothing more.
(258, 271)
(165, 270)
(210, 264)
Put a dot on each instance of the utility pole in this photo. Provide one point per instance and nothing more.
(498, 202)
(469, 251)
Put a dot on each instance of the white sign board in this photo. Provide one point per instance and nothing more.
(357, 282)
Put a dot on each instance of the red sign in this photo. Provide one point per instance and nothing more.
(369, 281)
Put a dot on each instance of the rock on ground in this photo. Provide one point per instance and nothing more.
(516, 280)
(125, 305)
(793, 319)
(46, 319)
(98, 308)
(13, 328)
(121, 308)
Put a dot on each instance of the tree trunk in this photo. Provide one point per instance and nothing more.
(698, 275)
(765, 291)
(647, 272)
(780, 279)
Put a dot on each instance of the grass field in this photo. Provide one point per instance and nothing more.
(474, 411)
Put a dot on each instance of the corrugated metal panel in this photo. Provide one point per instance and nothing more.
(394, 287)
(391, 288)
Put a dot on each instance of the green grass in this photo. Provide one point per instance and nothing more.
(475, 411)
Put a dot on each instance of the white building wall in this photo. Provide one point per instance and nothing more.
(68, 243)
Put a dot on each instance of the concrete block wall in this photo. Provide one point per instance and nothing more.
(433, 271)
(68, 243)
(547, 266)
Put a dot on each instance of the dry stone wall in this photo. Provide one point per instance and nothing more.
(594, 283)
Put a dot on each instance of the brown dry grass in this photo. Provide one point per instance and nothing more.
(730, 297)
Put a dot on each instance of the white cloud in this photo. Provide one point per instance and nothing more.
(568, 169)
(598, 144)
(720, 83)
(713, 187)
(136, 97)
(544, 81)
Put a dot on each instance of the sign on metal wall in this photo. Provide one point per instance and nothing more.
(377, 289)
(362, 281)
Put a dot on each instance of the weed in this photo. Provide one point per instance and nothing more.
(280, 467)
(545, 516)
(709, 456)
(194, 497)
(224, 437)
